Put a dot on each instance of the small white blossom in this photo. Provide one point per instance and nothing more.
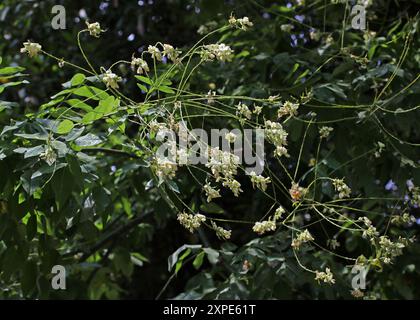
(221, 233)
(241, 23)
(343, 190)
(302, 238)
(233, 185)
(259, 181)
(155, 52)
(211, 192)
(111, 79)
(230, 137)
(94, 29)
(140, 64)
(49, 156)
(264, 226)
(218, 51)
(170, 52)
(191, 222)
(288, 109)
(324, 132)
(286, 27)
(31, 48)
(326, 277)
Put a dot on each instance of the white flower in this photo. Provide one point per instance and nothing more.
(315, 35)
(210, 96)
(230, 137)
(288, 108)
(326, 277)
(31, 48)
(111, 79)
(286, 27)
(94, 29)
(275, 133)
(218, 51)
(211, 192)
(220, 232)
(141, 65)
(264, 226)
(165, 168)
(171, 53)
(296, 192)
(223, 164)
(233, 185)
(324, 132)
(343, 189)
(243, 111)
(191, 222)
(278, 213)
(242, 23)
(259, 181)
(155, 52)
(302, 238)
(281, 151)
(49, 156)
(257, 110)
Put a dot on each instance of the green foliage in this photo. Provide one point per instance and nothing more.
(80, 186)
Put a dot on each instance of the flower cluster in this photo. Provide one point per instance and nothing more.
(403, 219)
(211, 193)
(326, 277)
(415, 195)
(140, 64)
(343, 190)
(243, 112)
(218, 51)
(221, 233)
(171, 53)
(49, 155)
(111, 79)
(391, 250)
(233, 185)
(324, 132)
(370, 231)
(296, 192)
(230, 137)
(264, 226)
(381, 148)
(191, 221)
(94, 29)
(223, 164)
(155, 52)
(31, 48)
(259, 181)
(164, 168)
(268, 225)
(241, 23)
(286, 27)
(278, 136)
(288, 109)
(302, 238)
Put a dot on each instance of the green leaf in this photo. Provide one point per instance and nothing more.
(65, 126)
(77, 79)
(88, 140)
(198, 261)
(145, 80)
(173, 258)
(166, 89)
(142, 87)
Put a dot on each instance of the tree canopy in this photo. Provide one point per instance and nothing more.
(83, 185)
